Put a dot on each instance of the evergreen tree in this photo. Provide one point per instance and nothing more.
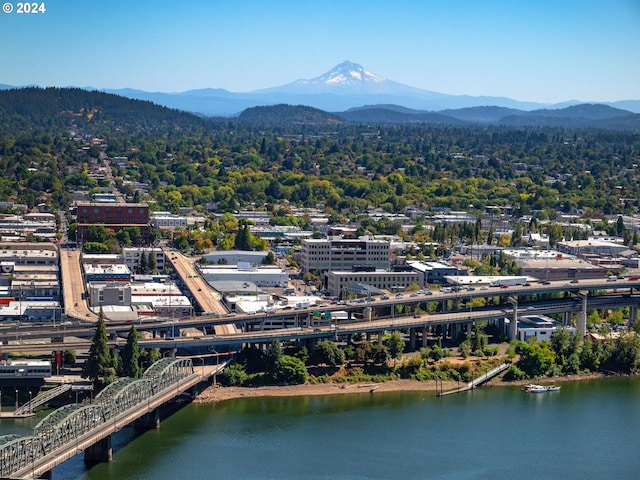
(131, 355)
(142, 267)
(152, 263)
(99, 366)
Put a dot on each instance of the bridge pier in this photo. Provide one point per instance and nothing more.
(380, 333)
(513, 326)
(99, 452)
(412, 338)
(633, 315)
(149, 421)
(582, 314)
(455, 330)
(425, 336)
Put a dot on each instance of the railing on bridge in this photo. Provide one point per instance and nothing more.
(68, 423)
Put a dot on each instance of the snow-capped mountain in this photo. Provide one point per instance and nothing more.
(346, 86)
(344, 79)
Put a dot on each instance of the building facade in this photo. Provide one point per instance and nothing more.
(338, 282)
(343, 254)
(113, 216)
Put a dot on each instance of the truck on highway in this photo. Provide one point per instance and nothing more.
(508, 281)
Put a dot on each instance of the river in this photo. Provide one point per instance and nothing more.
(588, 430)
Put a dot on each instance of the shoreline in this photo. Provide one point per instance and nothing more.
(217, 393)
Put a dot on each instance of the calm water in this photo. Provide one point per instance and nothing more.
(588, 430)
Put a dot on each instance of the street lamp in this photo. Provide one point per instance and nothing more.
(30, 407)
(16, 399)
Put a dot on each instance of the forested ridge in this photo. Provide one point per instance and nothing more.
(47, 149)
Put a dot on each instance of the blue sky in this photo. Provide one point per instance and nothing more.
(545, 51)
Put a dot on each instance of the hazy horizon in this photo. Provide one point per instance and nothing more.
(544, 52)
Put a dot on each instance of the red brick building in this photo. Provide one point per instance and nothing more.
(114, 216)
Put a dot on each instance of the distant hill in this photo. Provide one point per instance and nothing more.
(74, 105)
(575, 116)
(395, 114)
(289, 114)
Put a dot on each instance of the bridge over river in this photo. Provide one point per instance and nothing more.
(75, 428)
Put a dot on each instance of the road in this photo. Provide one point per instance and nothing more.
(204, 295)
(73, 291)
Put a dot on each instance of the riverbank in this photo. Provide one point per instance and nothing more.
(218, 393)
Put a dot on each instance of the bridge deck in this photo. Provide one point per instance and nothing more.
(33, 464)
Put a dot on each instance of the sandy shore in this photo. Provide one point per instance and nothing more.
(219, 393)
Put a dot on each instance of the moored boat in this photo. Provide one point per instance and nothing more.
(534, 388)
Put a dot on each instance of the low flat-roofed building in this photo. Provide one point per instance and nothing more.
(167, 221)
(337, 282)
(262, 277)
(540, 327)
(564, 268)
(592, 245)
(31, 311)
(22, 255)
(48, 289)
(435, 272)
(106, 273)
(230, 288)
(167, 305)
(103, 258)
(234, 257)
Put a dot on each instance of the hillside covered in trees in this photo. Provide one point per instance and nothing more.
(50, 139)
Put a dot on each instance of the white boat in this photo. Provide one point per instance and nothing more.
(533, 388)
(537, 389)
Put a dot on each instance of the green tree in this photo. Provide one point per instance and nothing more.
(142, 264)
(99, 366)
(536, 360)
(152, 263)
(131, 355)
(235, 375)
(562, 345)
(328, 353)
(395, 344)
(270, 259)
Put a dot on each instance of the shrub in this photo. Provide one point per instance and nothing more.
(235, 375)
(514, 373)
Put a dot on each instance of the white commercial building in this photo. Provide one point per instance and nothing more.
(262, 277)
(234, 257)
(167, 221)
(539, 326)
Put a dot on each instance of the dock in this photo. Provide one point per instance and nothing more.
(476, 382)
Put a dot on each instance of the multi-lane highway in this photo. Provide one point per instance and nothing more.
(73, 290)
(205, 296)
(384, 319)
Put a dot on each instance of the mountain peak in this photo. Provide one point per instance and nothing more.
(344, 79)
(348, 73)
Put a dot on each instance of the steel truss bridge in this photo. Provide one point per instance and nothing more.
(74, 428)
